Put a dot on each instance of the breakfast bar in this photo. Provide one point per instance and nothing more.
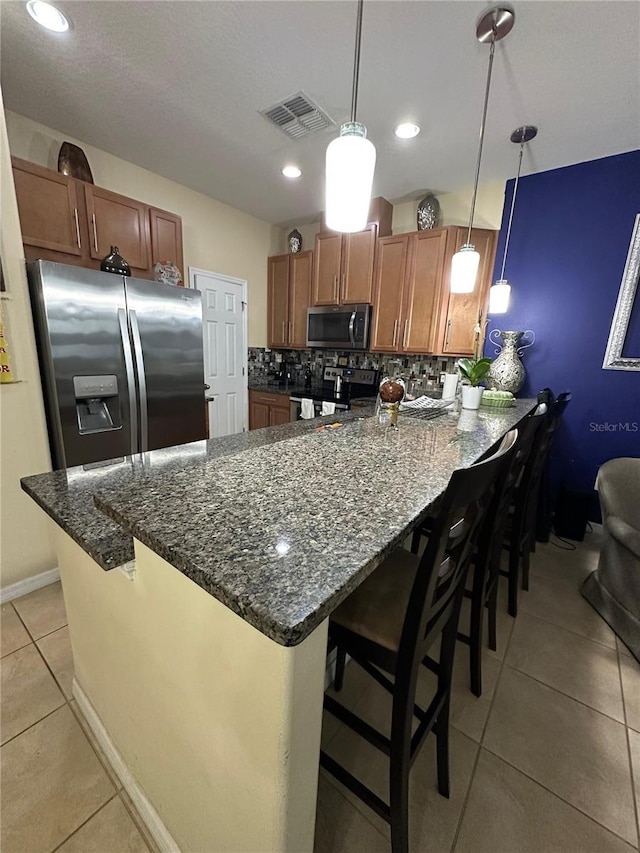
(198, 582)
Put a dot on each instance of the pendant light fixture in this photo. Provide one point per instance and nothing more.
(501, 291)
(350, 163)
(493, 25)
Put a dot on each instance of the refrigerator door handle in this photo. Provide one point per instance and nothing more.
(142, 381)
(131, 383)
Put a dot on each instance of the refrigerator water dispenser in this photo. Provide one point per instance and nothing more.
(97, 403)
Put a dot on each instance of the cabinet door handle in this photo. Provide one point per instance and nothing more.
(404, 334)
(448, 338)
(284, 331)
(344, 286)
(395, 332)
(75, 216)
(335, 287)
(290, 332)
(95, 232)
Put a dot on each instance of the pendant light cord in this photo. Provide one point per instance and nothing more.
(482, 126)
(356, 63)
(513, 204)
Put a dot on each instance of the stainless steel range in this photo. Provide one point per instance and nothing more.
(340, 385)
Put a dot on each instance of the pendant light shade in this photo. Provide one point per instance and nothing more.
(500, 292)
(464, 269)
(350, 163)
(493, 25)
(499, 295)
(351, 160)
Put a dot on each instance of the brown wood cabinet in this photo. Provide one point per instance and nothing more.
(70, 221)
(343, 267)
(166, 239)
(409, 271)
(413, 309)
(116, 220)
(289, 294)
(48, 208)
(459, 312)
(267, 409)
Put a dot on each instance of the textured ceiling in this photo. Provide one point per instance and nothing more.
(176, 87)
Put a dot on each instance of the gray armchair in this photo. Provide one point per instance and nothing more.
(614, 588)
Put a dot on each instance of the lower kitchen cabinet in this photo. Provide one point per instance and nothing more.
(268, 409)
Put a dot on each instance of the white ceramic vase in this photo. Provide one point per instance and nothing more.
(471, 396)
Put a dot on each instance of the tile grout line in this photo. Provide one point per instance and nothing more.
(568, 695)
(28, 728)
(84, 823)
(477, 758)
(626, 731)
(556, 795)
(570, 630)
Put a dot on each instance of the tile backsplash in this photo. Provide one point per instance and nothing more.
(263, 362)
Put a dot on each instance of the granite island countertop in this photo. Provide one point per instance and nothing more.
(279, 524)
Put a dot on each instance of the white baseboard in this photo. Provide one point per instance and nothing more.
(149, 815)
(15, 590)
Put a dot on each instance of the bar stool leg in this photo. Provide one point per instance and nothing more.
(415, 541)
(525, 567)
(399, 785)
(492, 607)
(514, 571)
(341, 659)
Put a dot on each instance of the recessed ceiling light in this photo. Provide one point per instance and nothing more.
(406, 130)
(291, 172)
(47, 16)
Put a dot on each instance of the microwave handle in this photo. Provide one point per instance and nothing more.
(352, 323)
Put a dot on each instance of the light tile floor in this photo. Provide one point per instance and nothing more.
(545, 761)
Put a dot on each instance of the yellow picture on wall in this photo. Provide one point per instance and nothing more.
(5, 366)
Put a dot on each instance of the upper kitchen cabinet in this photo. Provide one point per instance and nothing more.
(166, 238)
(409, 272)
(73, 222)
(459, 312)
(116, 220)
(344, 263)
(48, 208)
(289, 294)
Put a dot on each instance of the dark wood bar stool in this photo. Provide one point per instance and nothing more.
(521, 529)
(390, 623)
(483, 593)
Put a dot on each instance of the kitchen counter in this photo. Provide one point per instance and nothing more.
(259, 520)
(67, 496)
(213, 641)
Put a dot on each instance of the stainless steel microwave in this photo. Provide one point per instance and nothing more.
(339, 327)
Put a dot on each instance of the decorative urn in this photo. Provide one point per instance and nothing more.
(507, 371)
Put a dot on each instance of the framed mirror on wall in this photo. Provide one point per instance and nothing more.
(623, 346)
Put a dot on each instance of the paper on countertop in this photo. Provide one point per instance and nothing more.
(307, 409)
(425, 403)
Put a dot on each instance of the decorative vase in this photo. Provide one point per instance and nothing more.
(115, 263)
(428, 212)
(472, 396)
(72, 161)
(507, 372)
(295, 241)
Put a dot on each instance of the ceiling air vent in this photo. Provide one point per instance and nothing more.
(298, 116)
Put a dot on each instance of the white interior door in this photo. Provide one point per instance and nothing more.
(225, 349)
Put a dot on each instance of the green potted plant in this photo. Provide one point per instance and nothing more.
(474, 371)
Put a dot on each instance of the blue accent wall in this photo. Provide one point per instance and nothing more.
(569, 244)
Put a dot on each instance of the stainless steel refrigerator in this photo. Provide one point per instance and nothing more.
(121, 362)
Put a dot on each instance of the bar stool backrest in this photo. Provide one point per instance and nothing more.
(439, 583)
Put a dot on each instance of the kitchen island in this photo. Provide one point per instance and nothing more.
(201, 665)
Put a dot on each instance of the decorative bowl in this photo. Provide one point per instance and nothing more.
(498, 399)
